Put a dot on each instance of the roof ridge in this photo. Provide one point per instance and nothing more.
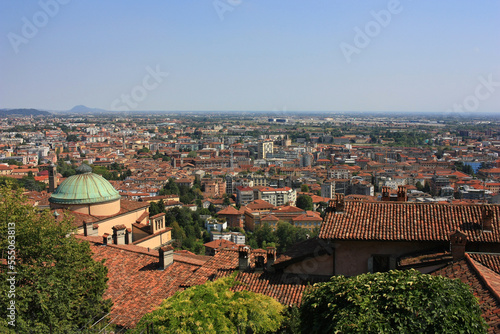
(477, 268)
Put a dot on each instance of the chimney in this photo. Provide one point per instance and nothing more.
(244, 258)
(402, 196)
(457, 245)
(487, 218)
(339, 203)
(107, 239)
(331, 205)
(90, 229)
(52, 178)
(166, 257)
(119, 234)
(128, 236)
(386, 194)
(271, 257)
(259, 262)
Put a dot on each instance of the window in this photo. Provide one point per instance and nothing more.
(381, 263)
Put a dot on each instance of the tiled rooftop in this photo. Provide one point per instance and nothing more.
(408, 222)
(135, 284)
(285, 288)
(491, 261)
(480, 279)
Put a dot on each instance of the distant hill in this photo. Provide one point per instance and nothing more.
(81, 109)
(23, 112)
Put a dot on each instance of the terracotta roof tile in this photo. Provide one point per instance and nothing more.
(408, 222)
(466, 270)
(135, 284)
(491, 261)
(229, 210)
(285, 288)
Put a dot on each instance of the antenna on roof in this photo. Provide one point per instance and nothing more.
(231, 162)
(484, 191)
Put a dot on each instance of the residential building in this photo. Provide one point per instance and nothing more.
(236, 237)
(244, 195)
(264, 148)
(277, 196)
(328, 189)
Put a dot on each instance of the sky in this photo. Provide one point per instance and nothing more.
(251, 55)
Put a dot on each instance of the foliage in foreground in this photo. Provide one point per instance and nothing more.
(392, 302)
(58, 286)
(214, 308)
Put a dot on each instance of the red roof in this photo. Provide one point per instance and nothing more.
(274, 189)
(489, 260)
(241, 188)
(259, 204)
(408, 222)
(284, 287)
(229, 210)
(135, 284)
(484, 283)
(310, 216)
(221, 243)
(287, 208)
(269, 218)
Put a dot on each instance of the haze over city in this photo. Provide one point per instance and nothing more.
(249, 166)
(245, 55)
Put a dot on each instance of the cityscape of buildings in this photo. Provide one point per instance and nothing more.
(195, 193)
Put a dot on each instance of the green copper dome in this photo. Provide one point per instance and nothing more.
(86, 188)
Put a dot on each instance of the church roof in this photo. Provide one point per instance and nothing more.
(86, 188)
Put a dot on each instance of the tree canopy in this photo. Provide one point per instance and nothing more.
(214, 308)
(289, 235)
(58, 286)
(391, 302)
(305, 202)
(285, 236)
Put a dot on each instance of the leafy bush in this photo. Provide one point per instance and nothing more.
(391, 302)
(214, 308)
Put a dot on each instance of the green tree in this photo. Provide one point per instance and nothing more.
(304, 188)
(72, 138)
(58, 286)
(28, 182)
(288, 235)
(391, 302)
(212, 209)
(153, 209)
(143, 150)
(170, 188)
(12, 162)
(264, 234)
(177, 232)
(305, 202)
(214, 308)
(192, 154)
(467, 169)
(65, 169)
(226, 200)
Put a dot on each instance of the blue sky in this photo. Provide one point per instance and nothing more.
(251, 55)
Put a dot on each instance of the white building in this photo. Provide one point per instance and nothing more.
(236, 237)
(277, 196)
(264, 148)
(212, 224)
